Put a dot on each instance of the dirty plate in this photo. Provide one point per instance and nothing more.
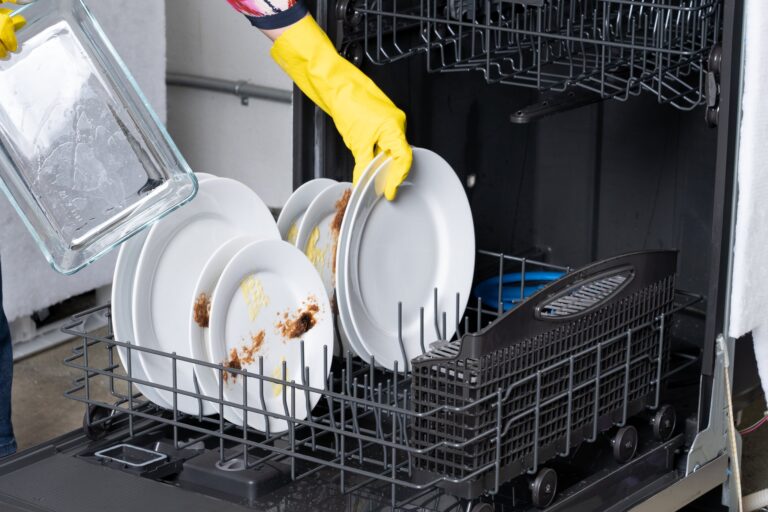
(319, 231)
(172, 260)
(199, 321)
(269, 303)
(293, 212)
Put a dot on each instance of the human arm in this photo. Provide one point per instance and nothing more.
(365, 117)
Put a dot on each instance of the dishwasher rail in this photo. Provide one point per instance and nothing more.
(361, 428)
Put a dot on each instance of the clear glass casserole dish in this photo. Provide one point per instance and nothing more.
(83, 157)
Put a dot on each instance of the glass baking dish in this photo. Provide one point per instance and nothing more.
(85, 160)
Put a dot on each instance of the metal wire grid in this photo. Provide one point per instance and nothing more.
(615, 48)
(555, 391)
(360, 427)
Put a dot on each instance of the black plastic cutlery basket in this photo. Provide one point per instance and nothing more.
(580, 356)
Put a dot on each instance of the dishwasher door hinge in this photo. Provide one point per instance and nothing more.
(712, 113)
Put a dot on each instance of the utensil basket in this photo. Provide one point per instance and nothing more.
(582, 355)
(614, 48)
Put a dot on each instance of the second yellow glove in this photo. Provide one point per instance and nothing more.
(366, 118)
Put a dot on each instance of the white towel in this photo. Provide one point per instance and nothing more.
(749, 294)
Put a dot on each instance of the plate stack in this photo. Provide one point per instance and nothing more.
(215, 283)
(399, 272)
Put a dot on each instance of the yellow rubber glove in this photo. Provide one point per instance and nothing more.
(8, 27)
(366, 118)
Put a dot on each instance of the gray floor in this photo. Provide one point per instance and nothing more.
(41, 412)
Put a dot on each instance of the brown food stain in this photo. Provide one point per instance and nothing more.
(233, 362)
(338, 219)
(202, 310)
(341, 208)
(302, 321)
(246, 355)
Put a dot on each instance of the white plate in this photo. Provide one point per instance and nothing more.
(122, 324)
(122, 310)
(354, 203)
(172, 260)
(290, 216)
(399, 252)
(318, 238)
(262, 284)
(207, 377)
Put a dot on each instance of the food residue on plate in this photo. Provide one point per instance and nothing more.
(293, 234)
(201, 310)
(254, 296)
(341, 208)
(248, 352)
(232, 362)
(296, 325)
(314, 253)
(245, 356)
(338, 219)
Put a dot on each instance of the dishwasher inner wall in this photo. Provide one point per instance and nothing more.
(584, 184)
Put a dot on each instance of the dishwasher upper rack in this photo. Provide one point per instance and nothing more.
(613, 48)
(359, 429)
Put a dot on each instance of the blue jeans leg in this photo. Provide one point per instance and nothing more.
(7, 440)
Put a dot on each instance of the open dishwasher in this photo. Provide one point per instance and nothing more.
(596, 139)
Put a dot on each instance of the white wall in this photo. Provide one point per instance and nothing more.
(214, 131)
(137, 30)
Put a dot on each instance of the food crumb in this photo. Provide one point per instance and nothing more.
(246, 355)
(233, 362)
(201, 310)
(302, 321)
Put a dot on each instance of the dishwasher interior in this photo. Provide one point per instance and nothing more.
(584, 133)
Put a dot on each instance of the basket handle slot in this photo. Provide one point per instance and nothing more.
(586, 295)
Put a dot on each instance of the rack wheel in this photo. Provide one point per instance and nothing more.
(480, 507)
(96, 413)
(624, 444)
(544, 488)
(345, 10)
(663, 423)
(354, 53)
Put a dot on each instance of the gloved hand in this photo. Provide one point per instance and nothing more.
(8, 27)
(366, 118)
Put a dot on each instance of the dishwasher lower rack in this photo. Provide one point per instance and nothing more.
(614, 48)
(363, 429)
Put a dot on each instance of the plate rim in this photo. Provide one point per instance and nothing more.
(347, 327)
(297, 202)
